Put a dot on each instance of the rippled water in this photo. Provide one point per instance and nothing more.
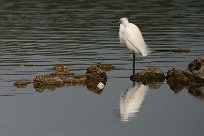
(80, 33)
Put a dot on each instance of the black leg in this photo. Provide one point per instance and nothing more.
(133, 69)
(133, 64)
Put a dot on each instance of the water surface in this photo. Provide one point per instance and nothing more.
(80, 33)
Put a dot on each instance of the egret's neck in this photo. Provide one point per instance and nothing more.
(125, 23)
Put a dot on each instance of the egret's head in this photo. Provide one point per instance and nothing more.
(124, 21)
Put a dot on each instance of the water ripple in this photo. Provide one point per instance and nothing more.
(82, 33)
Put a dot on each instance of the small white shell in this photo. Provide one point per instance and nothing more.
(100, 85)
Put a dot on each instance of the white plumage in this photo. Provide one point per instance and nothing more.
(131, 37)
(121, 33)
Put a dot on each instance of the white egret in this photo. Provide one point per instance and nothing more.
(131, 37)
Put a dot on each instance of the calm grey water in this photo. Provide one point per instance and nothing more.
(79, 33)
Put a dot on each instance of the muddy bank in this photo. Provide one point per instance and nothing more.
(94, 79)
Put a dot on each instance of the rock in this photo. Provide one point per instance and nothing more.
(104, 67)
(195, 77)
(21, 83)
(199, 75)
(47, 80)
(91, 79)
(177, 80)
(196, 64)
(95, 74)
(150, 75)
(195, 70)
(75, 80)
(192, 76)
(61, 70)
(43, 82)
(60, 73)
(177, 76)
(95, 78)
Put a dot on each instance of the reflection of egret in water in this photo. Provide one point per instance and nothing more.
(131, 101)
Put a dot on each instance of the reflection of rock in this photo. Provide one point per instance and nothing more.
(21, 83)
(150, 75)
(131, 101)
(40, 87)
(176, 87)
(154, 85)
(197, 91)
(94, 88)
(177, 79)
